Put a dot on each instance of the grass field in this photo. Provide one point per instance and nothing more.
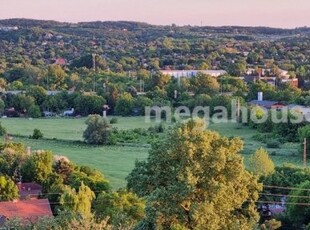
(117, 161)
(64, 128)
(288, 153)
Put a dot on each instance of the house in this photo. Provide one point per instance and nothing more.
(29, 190)
(27, 210)
(192, 73)
(267, 104)
(69, 112)
(293, 81)
(60, 61)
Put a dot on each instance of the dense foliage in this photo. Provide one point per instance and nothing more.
(195, 178)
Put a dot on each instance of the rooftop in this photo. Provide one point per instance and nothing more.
(26, 209)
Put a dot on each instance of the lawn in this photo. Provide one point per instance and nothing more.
(64, 128)
(288, 153)
(117, 161)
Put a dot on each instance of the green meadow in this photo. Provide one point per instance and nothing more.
(63, 137)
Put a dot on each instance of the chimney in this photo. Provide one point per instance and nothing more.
(260, 96)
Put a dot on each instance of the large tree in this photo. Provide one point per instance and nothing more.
(196, 179)
(98, 130)
(203, 83)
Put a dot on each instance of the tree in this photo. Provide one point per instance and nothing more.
(141, 102)
(38, 93)
(87, 61)
(55, 77)
(120, 207)
(203, 83)
(160, 80)
(11, 157)
(260, 86)
(90, 177)
(195, 179)
(80, 201)
(37, 167)
(8, 189)
(124, 105)
(22, 103)
(261, 163)
(299, 214)
(2, 106)
(34, 111)
(271, 225)
(89, 104)
(98, 130)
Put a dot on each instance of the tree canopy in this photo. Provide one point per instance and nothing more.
(196, 178)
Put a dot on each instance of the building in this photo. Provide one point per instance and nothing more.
(60, 61)
(293, 81)
(29, 190)
(8, 28)
(267, 104)
(26, 210)
(192, 73)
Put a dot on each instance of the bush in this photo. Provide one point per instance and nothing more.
(160, 128)
(113, 120)
(273, 144)
(37, 134)
(34, 111)
(2, 130)
(98, 130)
(260, 163)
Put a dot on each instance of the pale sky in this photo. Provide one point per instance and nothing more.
(274, 13)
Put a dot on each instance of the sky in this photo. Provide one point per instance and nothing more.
(272, 13)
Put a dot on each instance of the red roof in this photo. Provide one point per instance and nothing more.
(26, 209)
(60, 61)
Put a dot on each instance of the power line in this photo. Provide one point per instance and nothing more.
(286, 203)
(283, 195)
(286, 188)
(55, 193)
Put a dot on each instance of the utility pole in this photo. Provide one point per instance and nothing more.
(238, 110)
(94, 61)
(94, 69)
(221, 85)
(305, 152)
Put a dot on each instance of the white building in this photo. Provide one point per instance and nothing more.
(192, 73)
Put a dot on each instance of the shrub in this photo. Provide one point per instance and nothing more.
(113, 120)
(274, 144)
(260, 163)
(160, 128)
(34, 111)
(98, 130)
(2, 130)
(37, 134)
